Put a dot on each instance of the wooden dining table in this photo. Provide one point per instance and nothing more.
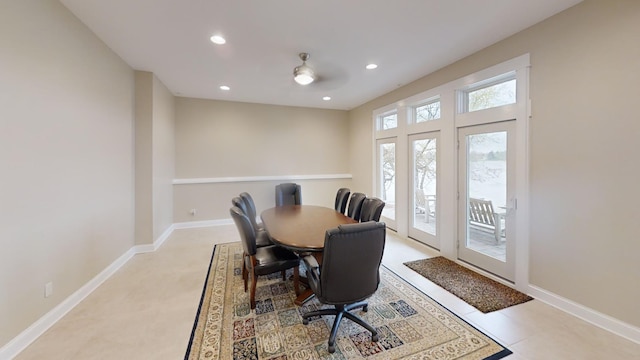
(302, 229)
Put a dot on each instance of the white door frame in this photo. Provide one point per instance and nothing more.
(504, 269)
(453, 118)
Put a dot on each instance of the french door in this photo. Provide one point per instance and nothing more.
(423, 213)
(386, 189)
(486, 197)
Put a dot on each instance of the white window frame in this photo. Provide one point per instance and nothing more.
(451, 118)
(463, 93)
(412, 117)
(380, 123)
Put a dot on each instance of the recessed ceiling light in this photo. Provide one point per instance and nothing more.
(326, 98)
(225, 88)
(371, 66)
(217, 39)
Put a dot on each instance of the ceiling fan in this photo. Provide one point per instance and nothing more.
(332, 77)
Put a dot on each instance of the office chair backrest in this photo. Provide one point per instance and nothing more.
(288, 194)
(371, 209)
(342, 197)
(350, 262)
(247, 233)
(355, 205)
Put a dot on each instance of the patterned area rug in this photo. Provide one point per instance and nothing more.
(410, 324)
(476, 290)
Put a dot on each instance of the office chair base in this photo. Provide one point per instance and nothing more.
(341, 311)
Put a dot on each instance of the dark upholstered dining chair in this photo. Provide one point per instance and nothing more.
(262, 237)
(355, 205)
(342, 197)
(261, 260)
(251, 210)
(371, 209)
(288, 194)
(350, 273)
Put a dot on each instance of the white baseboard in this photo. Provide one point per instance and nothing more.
(198, 224)
(29, 335)
(141, 249)
(596, 318)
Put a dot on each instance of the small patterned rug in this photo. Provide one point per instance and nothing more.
(410, 324)
(484, 294)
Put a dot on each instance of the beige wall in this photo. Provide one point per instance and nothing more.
(213, 201)
(217, 139)
(144, 157)
(223, 138)
(583, 135)
(163, 157)
(66, 145)
(155, 148)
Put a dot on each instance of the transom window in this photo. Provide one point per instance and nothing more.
(388, 121)
(491, 93)
(427, 111)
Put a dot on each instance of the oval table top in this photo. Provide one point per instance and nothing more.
(302, 227)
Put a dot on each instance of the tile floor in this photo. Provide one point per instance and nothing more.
(146, 310)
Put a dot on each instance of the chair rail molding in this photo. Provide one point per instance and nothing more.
(235, 179)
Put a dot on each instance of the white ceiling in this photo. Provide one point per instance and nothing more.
(408, 39)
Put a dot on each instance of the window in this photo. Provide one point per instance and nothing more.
(427, 111)
(492, 94)
(388, 121)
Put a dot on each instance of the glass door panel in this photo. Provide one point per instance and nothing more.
(387, 179)
(423, 207)
(486, 173)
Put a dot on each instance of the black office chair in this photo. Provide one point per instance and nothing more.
(261, 260)
(251, 210)
(355, 205)
(371, 209)
(349, 274)
(288, 194)
(342, 197)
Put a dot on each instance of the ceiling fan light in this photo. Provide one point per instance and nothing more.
(303, 75)
(217, 39)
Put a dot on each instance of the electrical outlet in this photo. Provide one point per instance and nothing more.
(193, 212)
(48, 289)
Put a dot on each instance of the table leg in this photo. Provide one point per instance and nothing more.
(302, 296)
(307, 294)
